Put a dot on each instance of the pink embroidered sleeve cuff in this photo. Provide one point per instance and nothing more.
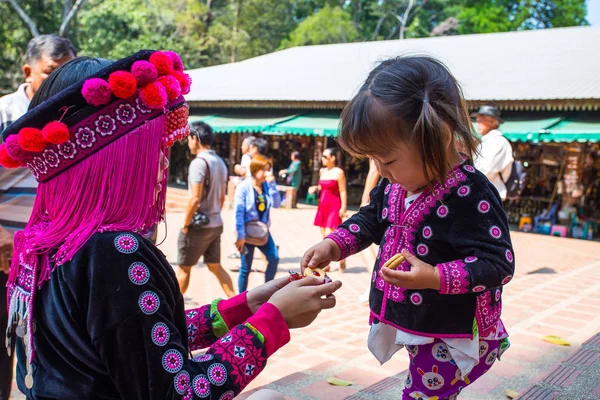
(270, 323)
(346, 242)
(454, 277)
(235, 310)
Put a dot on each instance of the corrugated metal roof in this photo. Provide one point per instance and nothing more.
(550, 64)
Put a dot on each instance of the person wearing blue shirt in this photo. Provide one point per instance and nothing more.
(253, 201)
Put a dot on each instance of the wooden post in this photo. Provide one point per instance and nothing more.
(233, 150)
(317, 154)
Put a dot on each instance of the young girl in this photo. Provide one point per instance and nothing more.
(444, 301)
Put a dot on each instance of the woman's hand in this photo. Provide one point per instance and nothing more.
(239, 244)
(321, 255)
(301, 301)
(420, 276)
(312, 190)
(343, 214)
(261, 294)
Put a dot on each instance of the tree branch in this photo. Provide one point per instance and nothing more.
(26, 18)
(65, 24)
(404, 18)
(378, 27)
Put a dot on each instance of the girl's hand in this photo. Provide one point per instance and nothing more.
(343, 214)
(321, 255)
(420, 276)
(312, 190)
(239, 244)
(301, 301)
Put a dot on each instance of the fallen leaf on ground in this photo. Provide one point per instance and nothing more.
(556, 340)
(511, 394)
(338, 382)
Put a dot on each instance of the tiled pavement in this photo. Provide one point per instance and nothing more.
(556, 291)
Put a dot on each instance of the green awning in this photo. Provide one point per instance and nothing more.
(311, 124)
(574, 130)
(526, 130)
(242, 121)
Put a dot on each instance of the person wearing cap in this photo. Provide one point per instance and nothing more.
(495, 155)
(95, 310)
(44, 54)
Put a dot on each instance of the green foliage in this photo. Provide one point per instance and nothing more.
(483, 16)
(328, 25)
(209, 32)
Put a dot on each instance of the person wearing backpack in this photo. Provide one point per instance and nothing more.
(202, 227)
(495, 155)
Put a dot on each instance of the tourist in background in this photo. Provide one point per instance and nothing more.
(494, 157)
(333, 198)
(254, 199)
(203, 225)
(294, 175)
(44, 54)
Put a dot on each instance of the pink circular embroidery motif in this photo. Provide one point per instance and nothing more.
(416, 299)
(126, 243)
(427, 232)
(387, 188)
(160, 334)
(201, 386)
(470, 259)
(495, 232)
(422, 249)
(354, 228)
(498, 294)
(464, 191)
(172, 361)
(384, 213)
(149, 302)
(139, 273)
(442, 211)
(228, 395)
(479, 288)
(182, 382)
(483, 206)
(469, 168)
(509, 256)
(217, 374)
(506, 280)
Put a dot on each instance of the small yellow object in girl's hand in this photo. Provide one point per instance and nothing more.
(395, 261)
(317, 272)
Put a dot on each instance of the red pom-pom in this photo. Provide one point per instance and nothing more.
(171, 85)
(31, 139)
(154, 95)
(185, 81)
(14, 149)
(144, 72)
(177, 63)
(162, 62)
(6, 160)
(96, 92)
(56, 133)
(123, 84)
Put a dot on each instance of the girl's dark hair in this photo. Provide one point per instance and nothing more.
(68, 74)
(410, 99)
(336, 153)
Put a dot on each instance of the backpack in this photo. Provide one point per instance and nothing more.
(515, 184)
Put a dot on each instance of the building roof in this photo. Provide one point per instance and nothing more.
(555, 66)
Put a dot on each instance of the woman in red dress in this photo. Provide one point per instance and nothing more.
(333, 199)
